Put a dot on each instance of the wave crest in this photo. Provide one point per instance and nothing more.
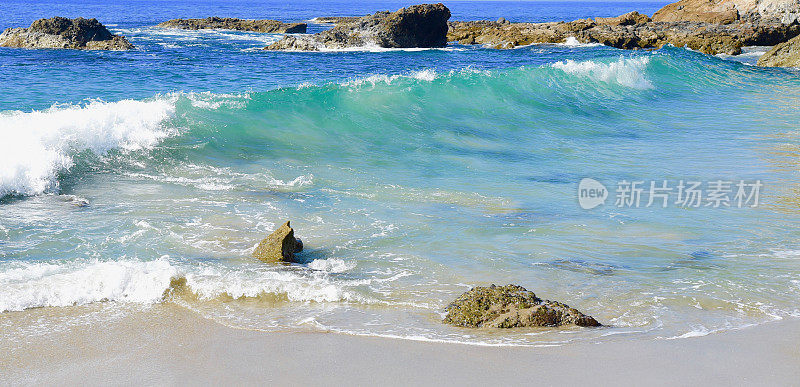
(31, 285)
(38, 145)
(628, 72)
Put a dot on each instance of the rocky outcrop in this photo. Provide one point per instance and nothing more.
(60, 32)
(629, 19)
(228, 23)
(335, 19)
(280, 246)
(729, 11)
(786, 54)
(511, 306)
(422, 25)
(630, 31)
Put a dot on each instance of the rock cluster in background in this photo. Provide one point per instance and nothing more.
(60, 32)
(228, 23)
(422, 25)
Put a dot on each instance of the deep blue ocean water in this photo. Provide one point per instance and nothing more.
(411, 175)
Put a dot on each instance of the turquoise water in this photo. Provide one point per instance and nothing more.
(410, 175)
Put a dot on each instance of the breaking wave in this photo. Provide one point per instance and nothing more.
(38, 147)
(67, 283)
(628, 72)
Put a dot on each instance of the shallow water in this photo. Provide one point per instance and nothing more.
(148, 176)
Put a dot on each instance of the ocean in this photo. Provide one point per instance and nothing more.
(136, 178)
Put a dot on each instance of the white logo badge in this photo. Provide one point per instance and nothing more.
(591, 193)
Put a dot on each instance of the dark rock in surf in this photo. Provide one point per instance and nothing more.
(60, 32)
(422, 25)
(511, 306)
(280, 246)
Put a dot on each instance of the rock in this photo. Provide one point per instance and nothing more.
(280, 246)
(729, 11)
(704, 11)
(628, 19)
(60, 32)
(502, 20)
(422, 25)
(618, 32)
(786, 54)
(335, 19)
(228, 23)
(511, 306)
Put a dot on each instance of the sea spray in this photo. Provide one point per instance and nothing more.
(38, 145)
(628, 72)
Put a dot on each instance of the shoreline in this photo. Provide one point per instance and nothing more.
(172, 345)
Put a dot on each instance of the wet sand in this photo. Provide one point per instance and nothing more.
(169, 345)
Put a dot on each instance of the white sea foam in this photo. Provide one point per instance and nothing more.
(211, 178)
(427, 75)
(422, 75)
(212, 282)
(25, 285)
(572, 41)
(32, 285)
(628, 72)
(331, 265)
(37, 145)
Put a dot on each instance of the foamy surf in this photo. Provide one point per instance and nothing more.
(629, 72)
(38, 145)
(572, 41)
(68, 283)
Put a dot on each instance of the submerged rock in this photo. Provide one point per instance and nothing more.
(60, 32)
(229, 23)
(280, 246)
(786, 54)
(511, 306)
(422, 25)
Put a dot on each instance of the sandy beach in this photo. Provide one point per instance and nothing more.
(170, 345)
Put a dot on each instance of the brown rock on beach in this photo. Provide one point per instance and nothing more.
(280, 246)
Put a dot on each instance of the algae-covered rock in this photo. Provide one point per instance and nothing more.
(786, 54)
(60, 32)
(511, 306)
(280, 246)
(229, 23)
